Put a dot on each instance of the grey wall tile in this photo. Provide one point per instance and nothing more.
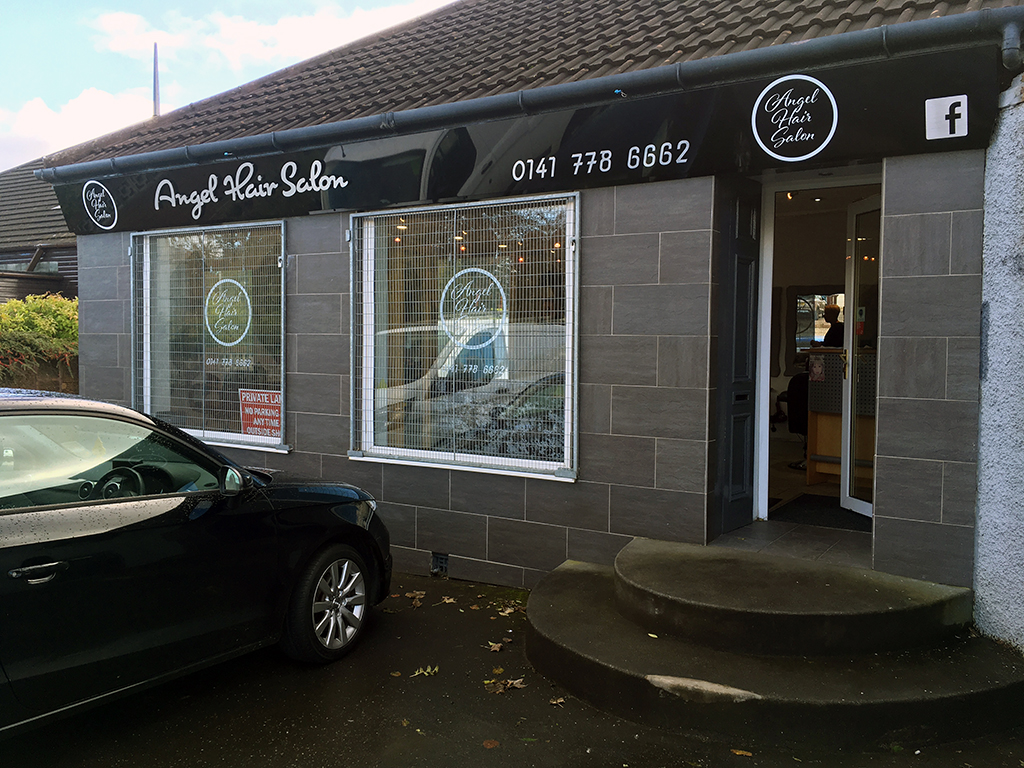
(597, 212)
(947, 181)
(99, 349)
(315, 393)
(963, 377)
(615, 459)
(407, 560)
(580, 504)
(619, 359)
(321, 273)
(300, 463)
(532, 545)
(321, 353)
(487, 494)
(931, 306)
(426, 486)
(596, 310)
(315, 234)
(468, 569)
(967, 235)
(111, 384)
(368, 475)
(912, 367)
(400, 520)
(673, 205)
(105, 250)
(595, 547)
(321, 432)
(619, 259)
(660, 412)
(916, 245)
(669, 310)
(104, 316)
(683, 361)
(451, 533)
(946, 430)
(100, 284)
(686, 257)
(667, 515)
(682, 465)
(595, 411)
(922, 550)
(314, 313)
(960, 493)
(908, 488)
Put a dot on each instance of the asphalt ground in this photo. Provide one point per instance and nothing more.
(440, 680)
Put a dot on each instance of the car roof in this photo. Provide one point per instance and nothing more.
(12, 400)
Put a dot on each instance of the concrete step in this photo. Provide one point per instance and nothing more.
(578, 638)
(755, 603)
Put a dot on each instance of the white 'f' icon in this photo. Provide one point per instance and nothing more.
(945, 118)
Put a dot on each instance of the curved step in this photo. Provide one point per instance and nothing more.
(757, 603)
(577, 638)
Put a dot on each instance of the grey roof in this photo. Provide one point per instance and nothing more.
(477, 48)
(29, 214)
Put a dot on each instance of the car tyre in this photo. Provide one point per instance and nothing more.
(328, 609)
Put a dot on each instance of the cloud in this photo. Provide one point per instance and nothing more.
(241, 42)
(36, 129)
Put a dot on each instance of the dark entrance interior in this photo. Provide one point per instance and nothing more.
(810, 309)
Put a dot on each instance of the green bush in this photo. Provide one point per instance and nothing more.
(40, 329)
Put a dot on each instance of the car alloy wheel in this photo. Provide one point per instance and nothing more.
(339, 603)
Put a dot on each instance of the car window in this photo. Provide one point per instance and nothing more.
(50, 459)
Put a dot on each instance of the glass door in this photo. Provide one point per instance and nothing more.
(860, 354)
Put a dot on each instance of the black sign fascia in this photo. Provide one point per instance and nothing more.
(935, 102)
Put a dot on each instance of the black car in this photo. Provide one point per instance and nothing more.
(131, 552)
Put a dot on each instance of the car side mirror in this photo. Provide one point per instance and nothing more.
(231, 481)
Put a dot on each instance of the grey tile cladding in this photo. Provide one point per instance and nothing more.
(948, 181)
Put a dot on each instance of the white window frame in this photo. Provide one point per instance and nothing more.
(363, 323)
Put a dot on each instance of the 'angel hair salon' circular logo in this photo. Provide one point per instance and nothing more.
(794, 118)
(228, 312)
(472, 300)
(99, 205)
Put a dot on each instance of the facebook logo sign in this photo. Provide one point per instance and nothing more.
(945, 118)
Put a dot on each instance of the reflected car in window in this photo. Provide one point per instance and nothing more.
(130, 552)
(531, 426)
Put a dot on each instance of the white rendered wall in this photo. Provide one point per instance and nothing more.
(999, 543)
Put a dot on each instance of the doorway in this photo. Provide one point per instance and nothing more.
(822, 363)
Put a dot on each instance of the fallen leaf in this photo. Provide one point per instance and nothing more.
(396, 595)
(396, 674)
(447, 599)
(559, 702)
(742, 752)
(493, 647)
(416, 603)
(516, 683)
(651, 634)
(426, 671)
(506, 611)
(497, 671)
(490, 744)
(405, 723)
(474, 607)
(500, 686)
(416, 595)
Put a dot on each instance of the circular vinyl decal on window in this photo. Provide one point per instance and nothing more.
(228, 312)
(99, 205)
(472, 301)
(794, 118)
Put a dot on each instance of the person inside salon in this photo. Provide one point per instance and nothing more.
(834, 335)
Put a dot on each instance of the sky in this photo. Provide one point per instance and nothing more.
(73, 71)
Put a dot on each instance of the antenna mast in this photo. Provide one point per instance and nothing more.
(156, 83)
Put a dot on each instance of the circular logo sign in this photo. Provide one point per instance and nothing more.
(471, 300)
(99, 205)
(794, 118)
(228, 312)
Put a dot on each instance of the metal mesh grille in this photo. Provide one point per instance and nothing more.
(208, 331)
(466, 351)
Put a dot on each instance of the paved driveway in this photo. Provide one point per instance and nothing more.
(373, 709)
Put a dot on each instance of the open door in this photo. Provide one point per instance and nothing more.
(738, 209)
(860, 358)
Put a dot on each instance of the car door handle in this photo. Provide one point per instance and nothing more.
(38, 574)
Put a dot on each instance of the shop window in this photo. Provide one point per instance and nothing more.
(466, 350)
(208, 332)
